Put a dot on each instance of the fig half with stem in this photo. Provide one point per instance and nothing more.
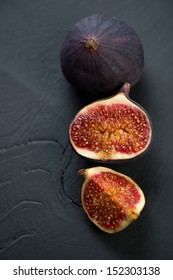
(116, 128)
(100, 54)
(111, 200)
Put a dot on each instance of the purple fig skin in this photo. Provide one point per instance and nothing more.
(100, 54)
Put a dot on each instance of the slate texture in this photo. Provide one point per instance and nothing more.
(40, 207)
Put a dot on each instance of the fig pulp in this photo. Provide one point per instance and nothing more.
(110, 199)
(100, 54)
(111, 129)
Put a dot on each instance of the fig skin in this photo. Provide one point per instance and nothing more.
(112, 129)
(110, 199)
(100, 54)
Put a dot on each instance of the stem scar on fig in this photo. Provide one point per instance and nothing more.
(111, 199)
(111, 129)
(91, 44)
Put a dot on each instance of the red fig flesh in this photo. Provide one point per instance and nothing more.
(111, 129)
(111, 200)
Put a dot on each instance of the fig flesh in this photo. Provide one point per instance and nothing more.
(100, 54)
(111, 200)
(111, 129)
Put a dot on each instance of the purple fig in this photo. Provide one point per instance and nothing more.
(100, 54)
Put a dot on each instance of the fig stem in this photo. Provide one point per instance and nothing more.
(91, 44)
(81, 172)
(125, 89)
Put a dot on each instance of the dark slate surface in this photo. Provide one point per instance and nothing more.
(40, 209)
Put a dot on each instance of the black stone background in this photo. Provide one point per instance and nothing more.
(40, 208)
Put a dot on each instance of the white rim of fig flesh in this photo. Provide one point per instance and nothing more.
(121, 98)
(131, 214)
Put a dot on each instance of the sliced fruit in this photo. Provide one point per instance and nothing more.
(116, 128)
(111, 200)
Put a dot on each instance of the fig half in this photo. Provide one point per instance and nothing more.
(111, 200)
(111, 129)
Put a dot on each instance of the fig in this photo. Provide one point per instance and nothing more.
(111, 199)
(100, 54)
(111, 129)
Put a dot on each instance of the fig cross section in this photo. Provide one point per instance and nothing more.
(111, 129)
(111, 199)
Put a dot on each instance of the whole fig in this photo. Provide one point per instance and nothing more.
(100, 54)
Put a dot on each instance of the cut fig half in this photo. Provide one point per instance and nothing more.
(116, 128)
(111, 200)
